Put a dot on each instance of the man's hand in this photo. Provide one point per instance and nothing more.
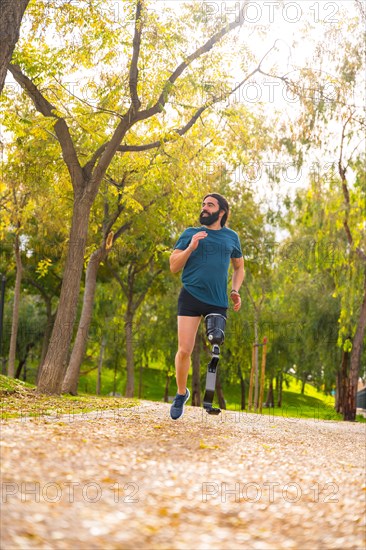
(196, 239)
(235, 297)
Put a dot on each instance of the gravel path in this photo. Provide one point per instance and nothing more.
(134, 479)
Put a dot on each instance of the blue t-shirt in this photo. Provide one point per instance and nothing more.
(205, 274)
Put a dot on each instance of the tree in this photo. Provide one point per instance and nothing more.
(332, 107)
(146, 185)
(357, 246)
(11, 14)
(86, 179)
(16, 303)
(155, 326)
(135, 289)
(109, 237)
(34, 224)
(17, 208)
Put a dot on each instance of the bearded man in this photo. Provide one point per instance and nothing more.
(204, 254)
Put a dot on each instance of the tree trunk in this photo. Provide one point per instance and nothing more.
(11, 14)
(303, 382)
(220, 393)
(167, 384)
(115, 374)
(242, 389)
(256, 357)
(196, 372)
(279, 390)
(349, 410)
(20, 367)
(270, 396)
(15, 320)
(51, 378)
(132, 307)
(141, 369)
(337, 404)
(23, 361)
(46, 336)
(2, 304)
(342, 382)
(100, 364)
(71, 380)
(130, 386)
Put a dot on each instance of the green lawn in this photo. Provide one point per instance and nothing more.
(313, 404)
(20, 399)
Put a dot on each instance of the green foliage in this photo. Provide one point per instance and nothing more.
(304, 294)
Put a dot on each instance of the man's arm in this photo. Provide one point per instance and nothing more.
(179, 258)
(237, 279)
(238, 275)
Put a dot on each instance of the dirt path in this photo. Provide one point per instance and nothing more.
(135, 479)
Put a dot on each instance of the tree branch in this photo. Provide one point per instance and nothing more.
(136, 103)
(39, 287)
(128, 224)
(107, 149)
(159, 105)
(143, 294)
(250, 296)
(96, 108)
(110, 147)
(195, 117)
(146, 146)
(11, 15)
(44, 107)
(109, 220)
(116, 276)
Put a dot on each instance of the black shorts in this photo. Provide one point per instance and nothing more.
(189, 306)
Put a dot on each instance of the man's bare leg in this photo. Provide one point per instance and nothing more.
(187, 330)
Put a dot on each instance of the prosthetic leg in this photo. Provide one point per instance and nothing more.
(215, 331)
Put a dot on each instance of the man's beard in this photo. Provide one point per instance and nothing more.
(209, 219)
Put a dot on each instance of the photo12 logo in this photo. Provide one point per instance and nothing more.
(69, 491)
(269, 491)
(254, 171)
(264, 13)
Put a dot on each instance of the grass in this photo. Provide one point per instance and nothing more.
(9, 385)
(20, 400)
(313, 404)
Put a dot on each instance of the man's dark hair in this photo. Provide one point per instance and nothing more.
(224, 205)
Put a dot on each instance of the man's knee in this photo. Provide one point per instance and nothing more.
(184, 352)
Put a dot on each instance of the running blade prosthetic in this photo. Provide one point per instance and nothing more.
(211, 382)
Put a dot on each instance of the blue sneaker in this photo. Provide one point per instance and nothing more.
(177, 408)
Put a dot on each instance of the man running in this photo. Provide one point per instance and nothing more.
(204, 254)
